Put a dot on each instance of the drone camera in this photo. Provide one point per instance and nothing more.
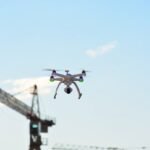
(68, 90)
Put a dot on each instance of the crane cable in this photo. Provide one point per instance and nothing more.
(30, 89)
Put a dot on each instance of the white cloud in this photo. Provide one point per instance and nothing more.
(24, 86)
(91, 53)
(101, 50)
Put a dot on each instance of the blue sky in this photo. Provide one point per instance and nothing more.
(114, 109)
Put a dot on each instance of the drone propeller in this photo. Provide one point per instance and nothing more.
(50, 69)
(86, 70)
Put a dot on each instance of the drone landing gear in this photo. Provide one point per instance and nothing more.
(57, 90)
(55, 96)
(80, 95)
(78, 90)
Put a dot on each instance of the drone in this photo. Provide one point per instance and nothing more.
(67, 79)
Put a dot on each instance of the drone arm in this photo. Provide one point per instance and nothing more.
(76, 79)
(57, 88)
(77, 75)
(57, 79)
(78, 90)
(59, 75)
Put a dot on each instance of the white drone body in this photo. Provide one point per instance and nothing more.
(67, 79)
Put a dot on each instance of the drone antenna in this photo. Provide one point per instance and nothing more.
(67, 71)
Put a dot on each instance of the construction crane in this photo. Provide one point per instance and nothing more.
(37, 125)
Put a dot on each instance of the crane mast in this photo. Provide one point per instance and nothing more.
(37, 125)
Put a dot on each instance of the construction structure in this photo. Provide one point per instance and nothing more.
(37, 125)
(86, 147)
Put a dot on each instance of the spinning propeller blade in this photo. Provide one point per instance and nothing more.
(50, 69)
(85, 70)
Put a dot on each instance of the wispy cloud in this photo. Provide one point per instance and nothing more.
(20, 86)
(101, 50)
